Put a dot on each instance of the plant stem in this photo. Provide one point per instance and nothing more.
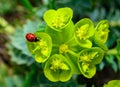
(73, 63)
(55, 45)
(73, 53)
(112, 52)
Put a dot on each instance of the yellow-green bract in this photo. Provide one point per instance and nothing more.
(58, 19)
(84, 30)
(42, 48)
(57, 68)
(87, 60)
(101, 34)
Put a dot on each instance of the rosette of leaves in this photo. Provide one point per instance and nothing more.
(58, 68)
(41, 49)
(101, 34)
(84, 30)
(87, 60)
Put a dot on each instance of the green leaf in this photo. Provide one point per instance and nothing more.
(18, 80)
(87, 70)
(101, 65)
(113, 17)
(118, 52)
(118, 47)
(9, 82)
(18, 57)
(84, 30)
(111, 61)
(93, 55)
(98, 14)
(7, 6)
(27, 4)
(42, 48)
(18, 41)
(28, 78)
(58, 19)
(33, 26)
(57, 68)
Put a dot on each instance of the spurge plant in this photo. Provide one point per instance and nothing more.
(65, 48)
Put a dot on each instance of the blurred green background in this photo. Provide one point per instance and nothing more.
(18, 17)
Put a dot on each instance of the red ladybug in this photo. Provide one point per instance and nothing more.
(31, 37)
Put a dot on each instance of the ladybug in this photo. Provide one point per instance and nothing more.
(31, 37)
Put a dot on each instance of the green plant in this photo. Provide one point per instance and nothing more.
(65, 49)
(113, 83)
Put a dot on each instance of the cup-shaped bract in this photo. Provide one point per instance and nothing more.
(84, 30)
(57, 68)
(58, 19)
(101, 33)
(87, 60)
(41, 49)
(93, 55)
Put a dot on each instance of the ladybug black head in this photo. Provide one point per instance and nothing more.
(31, 37)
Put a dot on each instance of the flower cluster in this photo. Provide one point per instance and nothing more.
(66, 48)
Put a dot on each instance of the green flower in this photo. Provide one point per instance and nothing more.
(84, 30)
(63, 48)
(58, 19)
(101, 33)
(42, 48)
(87, 60)
(57, 68)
